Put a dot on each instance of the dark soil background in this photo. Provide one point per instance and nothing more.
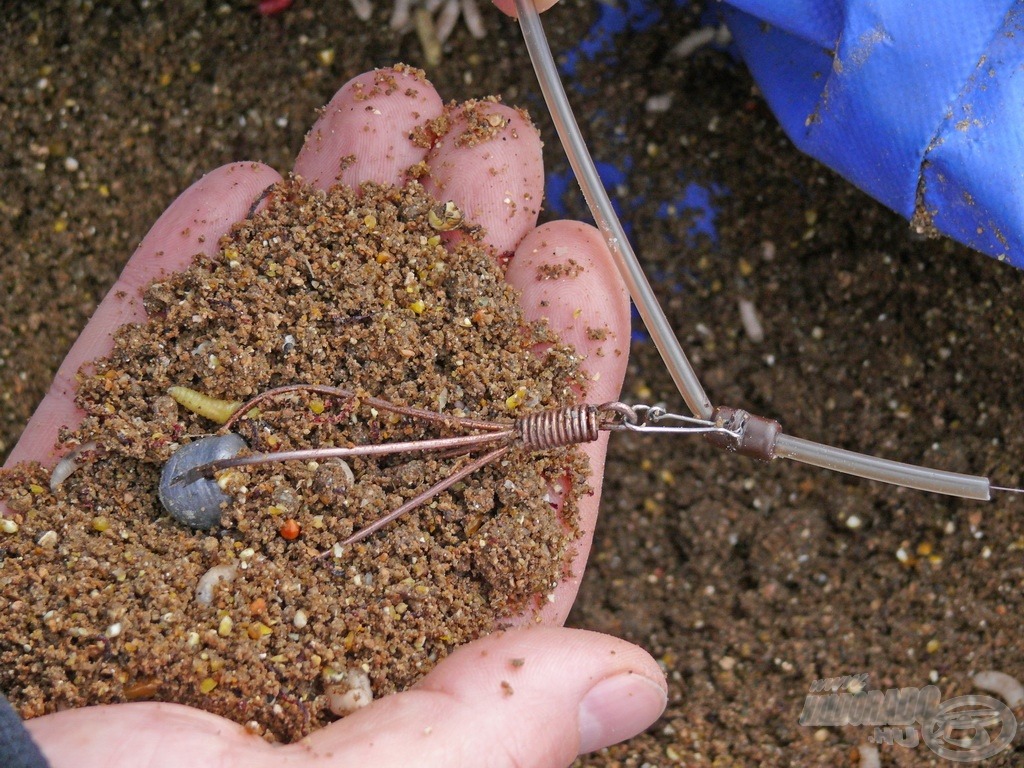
(747, 581)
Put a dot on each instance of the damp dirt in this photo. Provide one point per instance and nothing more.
(746, 581)
(263, 617)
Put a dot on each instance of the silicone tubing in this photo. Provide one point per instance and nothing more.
(883, 470)
(632, 273)
(795, 448)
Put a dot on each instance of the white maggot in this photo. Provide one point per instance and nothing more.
(869, 756)
(208, 582)
(1007, 687)
(347, 691)
(67, 465)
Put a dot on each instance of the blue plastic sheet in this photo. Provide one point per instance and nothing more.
(919, 103)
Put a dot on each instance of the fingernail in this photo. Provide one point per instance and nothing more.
(617, 708)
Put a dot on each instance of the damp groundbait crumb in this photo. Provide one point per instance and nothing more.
(242, 619)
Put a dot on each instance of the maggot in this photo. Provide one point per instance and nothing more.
(212, 408)
(445, 217)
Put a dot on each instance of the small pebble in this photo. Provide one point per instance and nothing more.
(660, 103)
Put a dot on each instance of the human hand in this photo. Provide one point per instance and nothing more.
(574, 690)
(509, 6)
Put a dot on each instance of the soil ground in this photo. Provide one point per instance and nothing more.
(747, 581)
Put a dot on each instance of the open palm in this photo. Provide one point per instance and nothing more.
(572, 690)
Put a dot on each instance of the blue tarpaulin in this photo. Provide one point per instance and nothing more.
(918, 103)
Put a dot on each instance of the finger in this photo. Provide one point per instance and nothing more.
(509, 7)
(534, 697)
(566, 275)
(192, 225)
(489, 163)
(364, 133)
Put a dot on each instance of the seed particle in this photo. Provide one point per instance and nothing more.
(290, 530)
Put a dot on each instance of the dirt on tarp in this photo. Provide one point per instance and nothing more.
(747, 581)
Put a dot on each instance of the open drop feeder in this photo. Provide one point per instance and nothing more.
(190, 492)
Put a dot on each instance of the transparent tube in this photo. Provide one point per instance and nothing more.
(806, 451)
(601, 208)
(883, 470)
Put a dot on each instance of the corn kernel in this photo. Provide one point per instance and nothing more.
(516, 399)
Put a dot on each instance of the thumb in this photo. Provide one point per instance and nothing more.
(538, 696)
